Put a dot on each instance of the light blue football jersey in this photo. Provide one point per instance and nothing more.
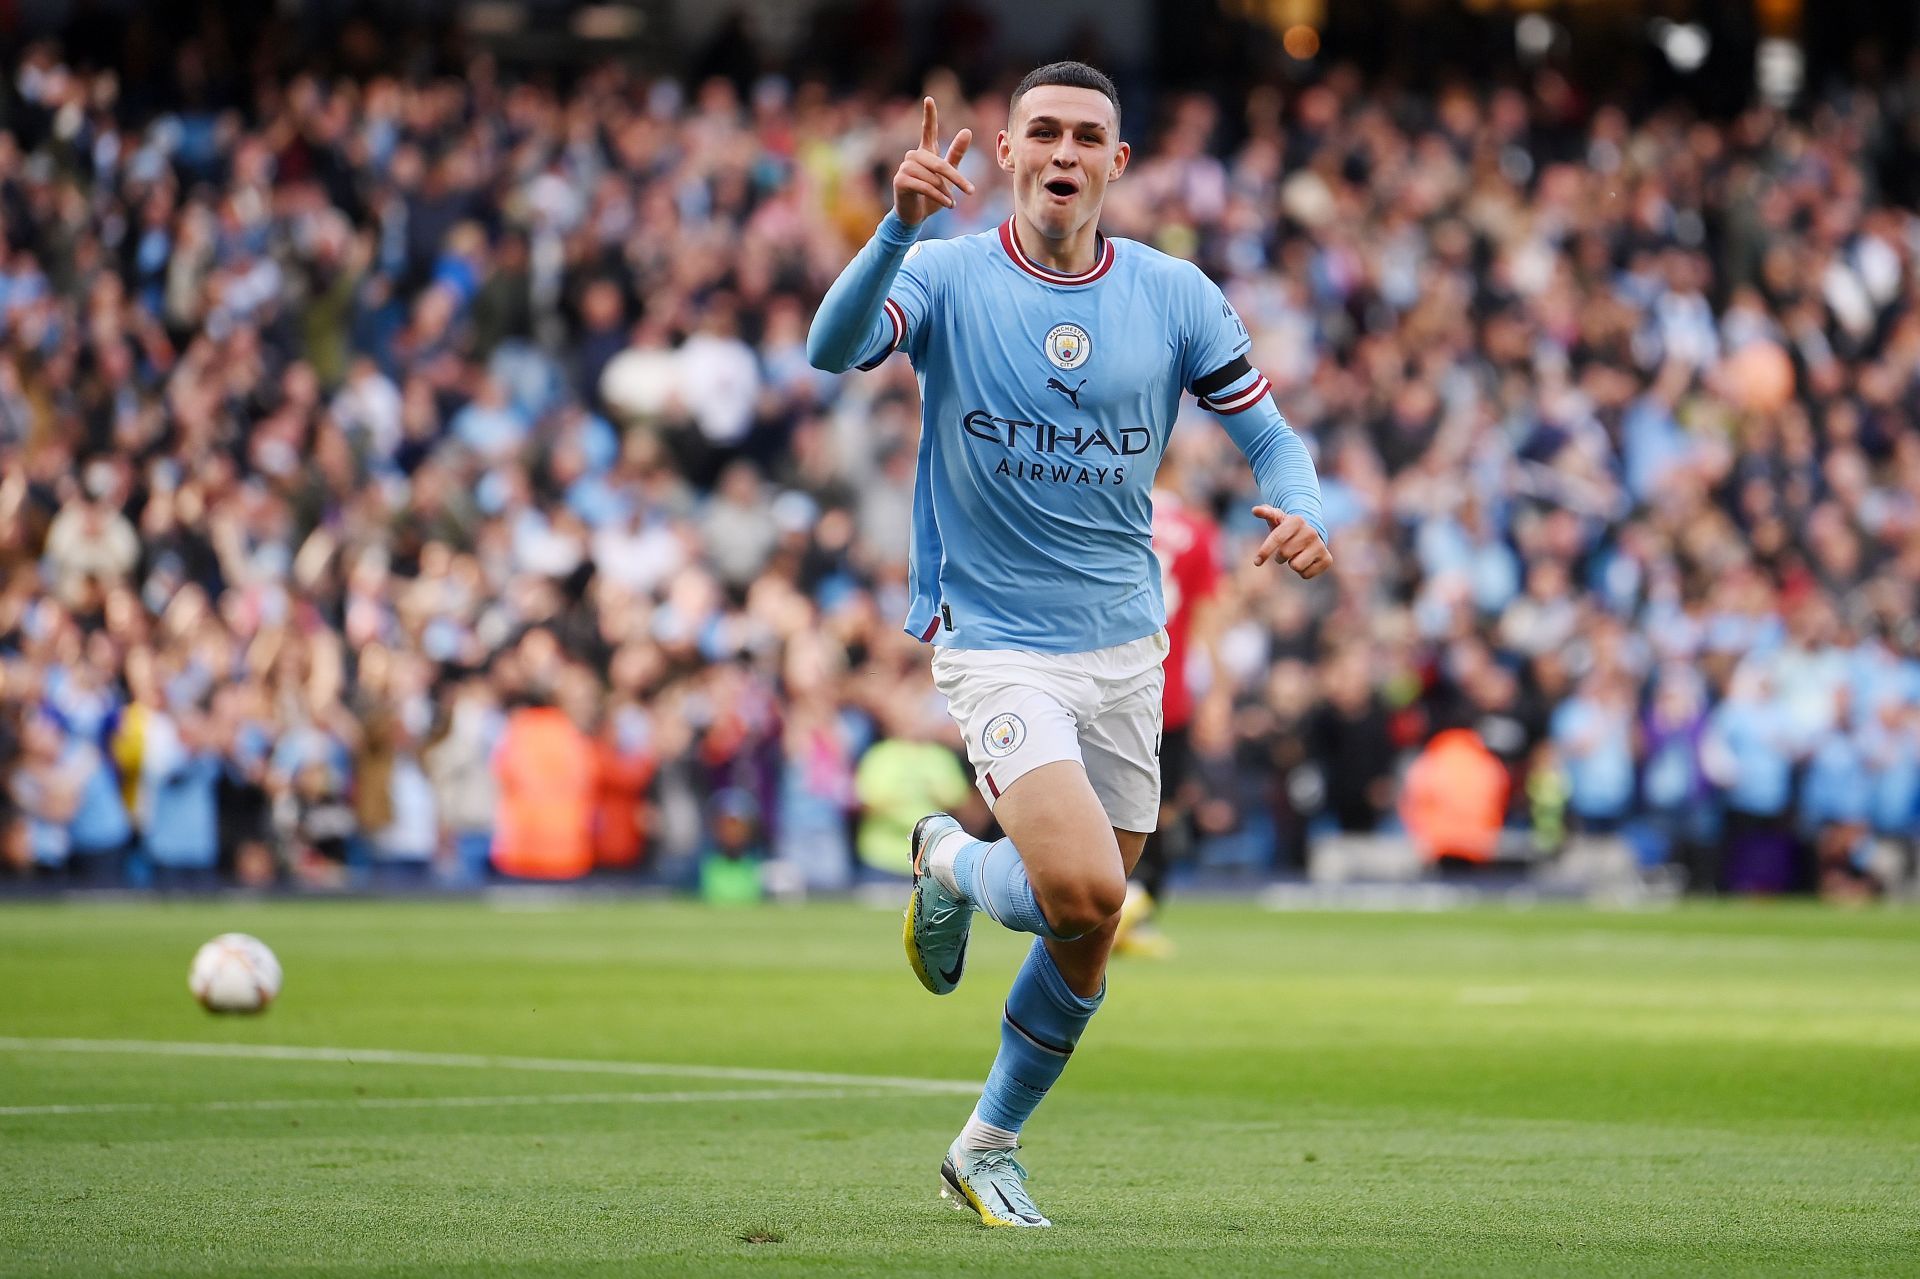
(1047, 400)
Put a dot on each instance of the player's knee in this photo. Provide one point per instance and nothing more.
(1082, 907)
(1108, 897)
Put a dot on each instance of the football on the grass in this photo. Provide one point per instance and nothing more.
(234, 973)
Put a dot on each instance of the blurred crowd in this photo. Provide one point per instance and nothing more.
(424, 479)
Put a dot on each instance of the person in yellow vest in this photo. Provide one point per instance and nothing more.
(547, 776)
(901, 778)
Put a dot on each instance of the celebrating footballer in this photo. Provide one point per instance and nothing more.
(1051, 361)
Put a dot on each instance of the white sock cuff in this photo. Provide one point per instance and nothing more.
(940, 859)
(981, 1135)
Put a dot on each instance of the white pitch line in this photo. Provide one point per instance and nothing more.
(434, 1103)
(470, 1061)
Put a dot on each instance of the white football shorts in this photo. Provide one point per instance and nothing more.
(1019, 710)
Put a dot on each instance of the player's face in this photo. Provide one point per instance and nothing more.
(1062, 148)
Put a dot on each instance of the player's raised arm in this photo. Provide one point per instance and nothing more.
(857, 324)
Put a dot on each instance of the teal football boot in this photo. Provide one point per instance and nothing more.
(938, 923)
(991, 1183)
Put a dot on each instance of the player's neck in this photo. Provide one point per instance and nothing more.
(1075, 255)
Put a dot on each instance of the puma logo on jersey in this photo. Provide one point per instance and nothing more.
(1072, 393)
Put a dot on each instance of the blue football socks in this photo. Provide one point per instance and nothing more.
(1042, 1023)
(991, 877)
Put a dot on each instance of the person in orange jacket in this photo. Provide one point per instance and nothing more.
(1454, 801)
(547, 772)
(625, 769)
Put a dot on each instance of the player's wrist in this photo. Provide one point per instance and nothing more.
(897, 231)
(1311, 521)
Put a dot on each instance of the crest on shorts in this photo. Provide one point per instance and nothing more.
(1004, 735)
(1068, 346)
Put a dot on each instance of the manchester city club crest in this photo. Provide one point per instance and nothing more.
(1068, 346)
(1004, 735)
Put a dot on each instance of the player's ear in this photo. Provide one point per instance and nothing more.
(1121, 154)
(1003, 151)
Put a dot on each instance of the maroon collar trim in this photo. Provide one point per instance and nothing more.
(1102, 263)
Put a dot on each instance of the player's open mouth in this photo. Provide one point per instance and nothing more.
(1062, 189)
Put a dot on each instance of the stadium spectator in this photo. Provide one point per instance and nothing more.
(901, 778)
(1749, 751)
(545, 769)
(99, 829)
(1349, 738)
(1837, 802)
(458, 763)
(182, 838)
(1593, 737)
(1454, 800)
(732, 868)
(45, 790)
(623, 768)
(1676, 796)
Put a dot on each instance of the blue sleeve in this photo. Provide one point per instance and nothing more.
(1215, 368)
(1216, 343)
(1279, 458)
(858, 324)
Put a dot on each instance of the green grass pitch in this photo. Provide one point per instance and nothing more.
(1716, 1090)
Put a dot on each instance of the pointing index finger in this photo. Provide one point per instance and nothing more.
(1269, 547)
(929, 124)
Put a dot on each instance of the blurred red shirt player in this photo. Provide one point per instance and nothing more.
(1187, 542)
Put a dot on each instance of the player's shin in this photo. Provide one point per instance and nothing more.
(1042, 1024)
(991, 878)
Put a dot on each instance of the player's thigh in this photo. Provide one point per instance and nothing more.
(1121, 746)
(1055, 819)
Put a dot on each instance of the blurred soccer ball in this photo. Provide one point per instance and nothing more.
(234, 973)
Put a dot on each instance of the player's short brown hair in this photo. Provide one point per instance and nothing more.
(1074, 75)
